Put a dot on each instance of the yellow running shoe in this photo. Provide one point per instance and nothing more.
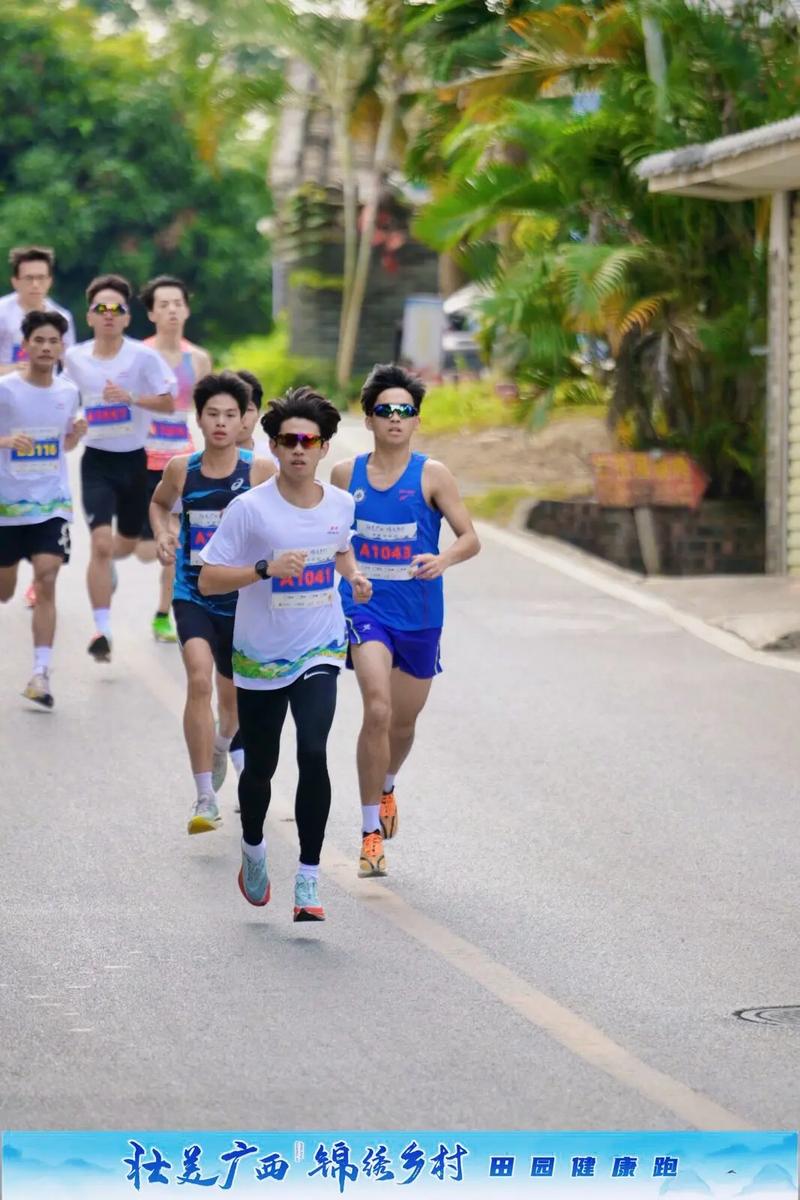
(388, 815)
(372, 861)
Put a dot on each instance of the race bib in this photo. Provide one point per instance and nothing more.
(385, 551)
(203, 524)
(313, 587)
(168, 436)
(109, 420)
(43, 459)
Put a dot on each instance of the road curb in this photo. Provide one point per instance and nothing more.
(615, 581)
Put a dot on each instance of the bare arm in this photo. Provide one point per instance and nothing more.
(341, 474)
(443, 492)
(78, 431)
(162, 504)
(216, 581)
(347, 567)
(164, 402)
(261, 470)
(201, 360)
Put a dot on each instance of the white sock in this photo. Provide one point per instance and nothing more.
(370, 819)
(203, 784)
(41, 659)
(221, 743)
(102, 621)
(308, 872)
(237, 758)
(257, 853)
(388, 783)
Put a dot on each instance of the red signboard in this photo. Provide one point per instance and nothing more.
(634, 479)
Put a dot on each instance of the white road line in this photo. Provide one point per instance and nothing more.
(584, 572)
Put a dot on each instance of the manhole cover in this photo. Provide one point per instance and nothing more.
(783, 1014)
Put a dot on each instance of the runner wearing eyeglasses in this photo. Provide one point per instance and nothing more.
(204, 484)
(280, 546)
(122, 383)
(400, 498)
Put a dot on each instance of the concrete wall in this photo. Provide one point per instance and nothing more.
(717, 539)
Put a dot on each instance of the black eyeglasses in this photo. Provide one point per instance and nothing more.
(389, 410)
(114, 310)
(306, 440)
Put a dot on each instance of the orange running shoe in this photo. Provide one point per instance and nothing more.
(388, 815)
(30, 596)
(372, 861)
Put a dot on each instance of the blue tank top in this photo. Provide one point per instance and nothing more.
(391, 527)
(203, 502)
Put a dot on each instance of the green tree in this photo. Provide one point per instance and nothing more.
(99, 158)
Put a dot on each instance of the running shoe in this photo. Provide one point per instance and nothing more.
(100, 648)
(164, 630)
(306, 901)
(30, 596)
(372, 861)
(253, 880)
(38, 690)
(205, 815)
(388, 815)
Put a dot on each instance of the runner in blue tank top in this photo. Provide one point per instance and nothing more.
(400, 499)
(205, 483)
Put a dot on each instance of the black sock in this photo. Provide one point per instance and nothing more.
(162, 614)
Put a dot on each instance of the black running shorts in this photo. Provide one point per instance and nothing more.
(153, 480)
(114, 484)
(24, 541)
(195, 621)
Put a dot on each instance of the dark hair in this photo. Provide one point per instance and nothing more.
(389, 375)
(148, 293)
(36, 319)
(214, 385)
(117, 283)
(256, 390)
(301, 402)
(23, 254)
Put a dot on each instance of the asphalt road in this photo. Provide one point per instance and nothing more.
(597, 865)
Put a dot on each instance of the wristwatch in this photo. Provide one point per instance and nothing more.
(262, 568)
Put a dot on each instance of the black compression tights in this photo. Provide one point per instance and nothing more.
(312, 699)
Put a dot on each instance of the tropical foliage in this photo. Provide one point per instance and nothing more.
(593, 283)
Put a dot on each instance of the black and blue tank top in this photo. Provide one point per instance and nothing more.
(203, 501)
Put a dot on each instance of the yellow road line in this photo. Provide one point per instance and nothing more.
(564, 1026)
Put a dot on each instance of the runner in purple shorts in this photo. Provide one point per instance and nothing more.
(400, 499)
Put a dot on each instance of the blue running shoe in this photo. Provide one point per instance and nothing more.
(253, 880)
(306, 901)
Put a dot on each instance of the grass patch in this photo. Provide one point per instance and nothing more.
(450, 408)
(500, 503)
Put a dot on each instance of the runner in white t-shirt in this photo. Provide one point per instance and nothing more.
(38, 426)
(31, 279)
(281, 545)
(122, 383)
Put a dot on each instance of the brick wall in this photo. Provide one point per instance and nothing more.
(717, 539)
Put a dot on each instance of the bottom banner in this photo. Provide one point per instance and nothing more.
(542, 1166)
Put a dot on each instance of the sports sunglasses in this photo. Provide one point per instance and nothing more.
(306, 440)
(115, 310)
(388, 410)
